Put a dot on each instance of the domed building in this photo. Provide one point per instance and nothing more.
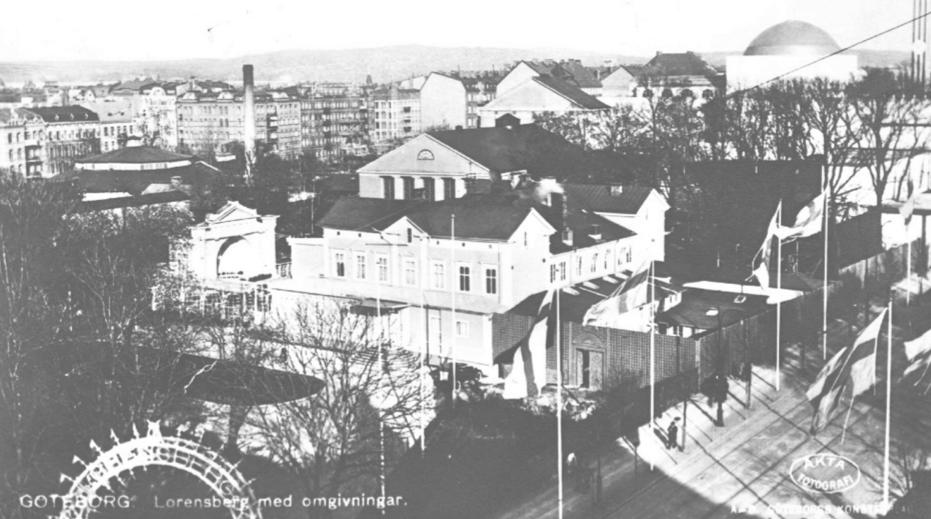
(786, 47)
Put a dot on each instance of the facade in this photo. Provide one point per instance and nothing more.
(799, 49)
(116, 121)
(71, 132)
(334, 122)
(536, 95)
(22, 138)
(210, 123)
(444, 102)
(395, 115)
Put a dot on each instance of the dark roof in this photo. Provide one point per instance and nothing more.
(529, 147)
(571, 92)
(582, 76)
(605, 199)
(693, 310)
(164, 197)
(57, 114)
(7, 114)
(678, 64)
(134, 155)
(134, 181)
(792, 37)
(492, 216)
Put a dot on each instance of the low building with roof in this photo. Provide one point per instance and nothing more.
(536, 95)
(137, 176)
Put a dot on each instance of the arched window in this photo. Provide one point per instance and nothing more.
(425, 155)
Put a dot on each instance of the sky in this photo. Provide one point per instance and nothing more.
(180, 29)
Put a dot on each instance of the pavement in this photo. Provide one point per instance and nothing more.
(742, 469)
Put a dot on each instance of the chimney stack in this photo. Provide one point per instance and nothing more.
(248, 116)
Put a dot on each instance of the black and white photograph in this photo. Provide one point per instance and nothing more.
(412, 259)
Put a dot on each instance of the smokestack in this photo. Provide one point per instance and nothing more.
(248, 116)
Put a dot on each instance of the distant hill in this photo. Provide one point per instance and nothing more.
(382, 63)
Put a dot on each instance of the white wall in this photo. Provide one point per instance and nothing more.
(442, 102)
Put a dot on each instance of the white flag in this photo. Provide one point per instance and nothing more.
(918, 351)
(761, 270)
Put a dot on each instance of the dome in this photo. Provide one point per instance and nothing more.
(792, 38)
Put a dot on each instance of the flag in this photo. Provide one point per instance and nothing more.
(918, 351)
(855, 364)
(808, 221)
(528, 371)
(761, 270)
(630, 294)
(908, 207)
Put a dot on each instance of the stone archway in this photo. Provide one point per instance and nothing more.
(153, 449)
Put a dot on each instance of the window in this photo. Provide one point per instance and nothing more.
(462, 329)
(491, 280)
(438, 275)
(553, 273)
(425, 155)
(449, 188)
(578, 266)
(360, 266)
(429, 189)
(410, 235)
(408, 184)
(465, 278)
(339, 260)
(607, 260)
(387, 184)
(410, 272)
(562, 270)
(594, 262)
(381, 264)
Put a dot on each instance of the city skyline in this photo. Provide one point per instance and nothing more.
(630, 27)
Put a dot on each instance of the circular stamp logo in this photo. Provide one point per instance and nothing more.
(825, 473)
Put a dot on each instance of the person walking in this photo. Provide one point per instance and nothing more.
(672, 434)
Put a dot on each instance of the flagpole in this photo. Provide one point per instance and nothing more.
(652, 282)
(824, 309)
(888, 405)
(452, 293)
(559, 467)
(779, 303)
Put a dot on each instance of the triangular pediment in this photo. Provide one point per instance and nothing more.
(230, 212)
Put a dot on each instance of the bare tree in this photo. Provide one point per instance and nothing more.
(332, 442)
(887, 113)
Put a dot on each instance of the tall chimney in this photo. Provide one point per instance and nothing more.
(248, 117)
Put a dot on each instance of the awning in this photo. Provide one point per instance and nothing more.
(375, 306)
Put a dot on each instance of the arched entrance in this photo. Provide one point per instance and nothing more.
(153, 449)
(235, 259)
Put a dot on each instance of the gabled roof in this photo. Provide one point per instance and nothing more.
(492, 216)
(604, 198)
(134, 155)
(527, 147)
(581, 75)
(571, 92)
(62, 114)
(678, 64)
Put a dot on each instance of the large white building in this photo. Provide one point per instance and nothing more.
(790, 48)
(437, 270)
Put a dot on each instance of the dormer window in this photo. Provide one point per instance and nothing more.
(425, 155)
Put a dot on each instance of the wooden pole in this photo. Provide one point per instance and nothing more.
(559, 466)
(779, 303)
(824, 309)
(652, 355)
(888, 405)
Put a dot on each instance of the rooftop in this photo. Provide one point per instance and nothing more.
(59, 114)
(529, 147)
(135, 155)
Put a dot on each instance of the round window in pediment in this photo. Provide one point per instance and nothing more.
(425, 155)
